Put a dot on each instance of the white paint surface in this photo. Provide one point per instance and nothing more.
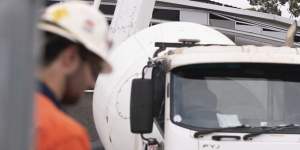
(130, 17)
(111, 99)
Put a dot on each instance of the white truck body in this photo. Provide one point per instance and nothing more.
(111, 102)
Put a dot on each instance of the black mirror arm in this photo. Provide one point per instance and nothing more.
(150, 64)
(149, 141)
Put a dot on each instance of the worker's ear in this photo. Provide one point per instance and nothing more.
(70, 59)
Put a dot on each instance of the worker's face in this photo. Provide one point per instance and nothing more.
(81, 79)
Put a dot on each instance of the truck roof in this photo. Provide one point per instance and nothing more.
(231, 54)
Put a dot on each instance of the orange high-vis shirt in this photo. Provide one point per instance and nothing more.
(55, 130)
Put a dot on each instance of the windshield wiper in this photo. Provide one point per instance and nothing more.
(209, 131)
(250, 136)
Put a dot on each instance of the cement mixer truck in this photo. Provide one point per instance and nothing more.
(186, 86)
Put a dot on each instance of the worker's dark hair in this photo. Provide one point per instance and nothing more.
(53, 46)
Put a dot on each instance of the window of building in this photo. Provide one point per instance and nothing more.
(166, 14)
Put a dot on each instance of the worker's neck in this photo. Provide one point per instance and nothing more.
(53, 79)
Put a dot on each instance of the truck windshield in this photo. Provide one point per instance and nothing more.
(234, 94)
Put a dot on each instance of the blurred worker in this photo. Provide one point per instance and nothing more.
(75, 52)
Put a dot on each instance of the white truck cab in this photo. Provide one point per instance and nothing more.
(229, 97)
(197, 96)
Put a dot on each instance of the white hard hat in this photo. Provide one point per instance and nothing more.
(81, 23)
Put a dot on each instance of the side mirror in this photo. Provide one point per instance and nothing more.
(141, 103)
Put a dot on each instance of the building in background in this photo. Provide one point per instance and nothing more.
(244, 27)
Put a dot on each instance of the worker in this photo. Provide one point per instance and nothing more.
(75, 52)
